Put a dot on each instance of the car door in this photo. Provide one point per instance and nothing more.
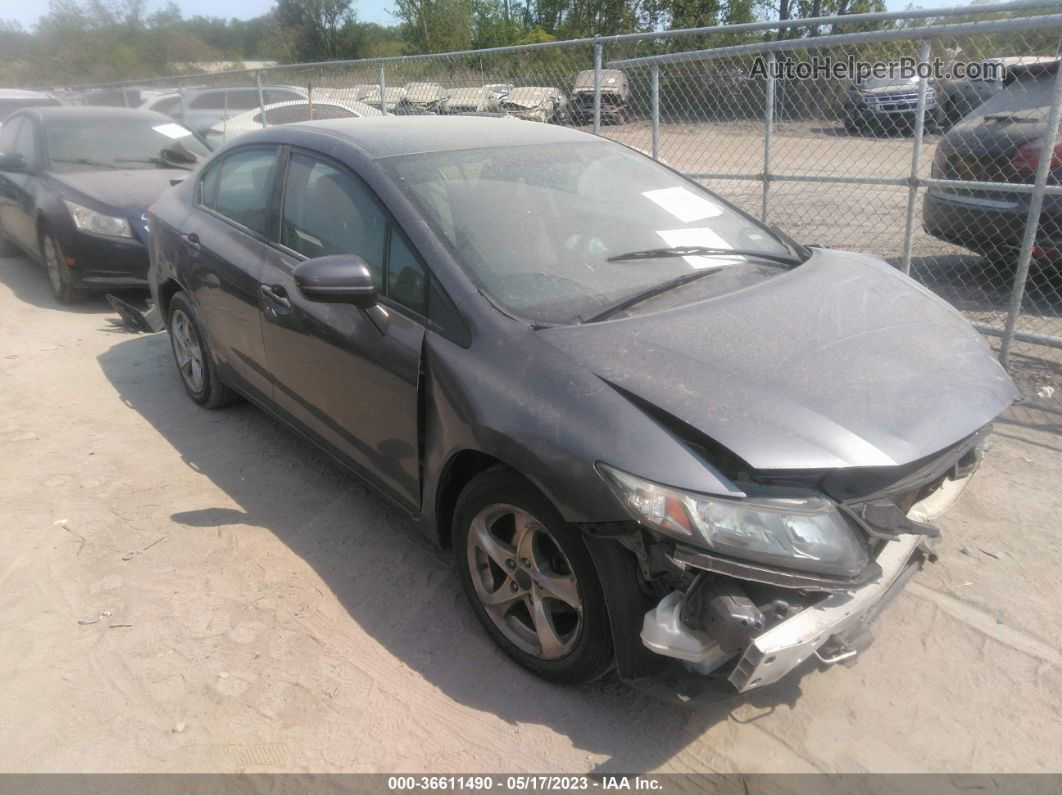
(8, 133)
(224, 247)
(18, 188)
(348, 375)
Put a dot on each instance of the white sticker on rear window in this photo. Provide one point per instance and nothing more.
(699, 236)
(684, 204)
(171, 130)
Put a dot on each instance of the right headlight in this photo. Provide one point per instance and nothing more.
(88, 220)
(804, 532)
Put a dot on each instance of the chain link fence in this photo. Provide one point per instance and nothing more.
(952, 175)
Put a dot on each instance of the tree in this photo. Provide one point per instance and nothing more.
(316, 28)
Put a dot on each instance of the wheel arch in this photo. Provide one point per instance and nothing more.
(167, 289)
(460, 469)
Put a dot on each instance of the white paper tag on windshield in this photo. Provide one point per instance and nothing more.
(171, 130)
(684, 204)
(699, 236)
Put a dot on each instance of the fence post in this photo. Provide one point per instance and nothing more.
(1032, 221)
(916, 161)
(180, 103)
(768, 134)
(656, 110)
(261, 96)
(597, 87)
(383, 90)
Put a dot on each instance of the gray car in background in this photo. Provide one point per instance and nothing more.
(200, 109)
(12, 99)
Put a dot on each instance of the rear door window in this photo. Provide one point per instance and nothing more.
(241, 187)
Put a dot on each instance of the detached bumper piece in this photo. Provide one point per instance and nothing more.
(147, 319)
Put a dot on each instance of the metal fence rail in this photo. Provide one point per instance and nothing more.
(805, 154)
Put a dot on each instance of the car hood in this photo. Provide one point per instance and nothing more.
(131, 189)
(842, 362)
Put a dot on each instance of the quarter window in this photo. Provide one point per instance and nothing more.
(241, 187)
(406, 282)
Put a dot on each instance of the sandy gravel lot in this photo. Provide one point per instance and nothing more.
(187, 590)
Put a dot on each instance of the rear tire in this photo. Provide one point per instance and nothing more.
(191, 353)
(530, 579)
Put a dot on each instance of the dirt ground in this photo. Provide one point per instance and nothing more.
(193, 590)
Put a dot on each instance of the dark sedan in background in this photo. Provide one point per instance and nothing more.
(999, 142)
(651, 428)
(75, 185)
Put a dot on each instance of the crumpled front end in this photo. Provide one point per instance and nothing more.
(752, 624)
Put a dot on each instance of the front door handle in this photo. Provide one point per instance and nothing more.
(276, 295)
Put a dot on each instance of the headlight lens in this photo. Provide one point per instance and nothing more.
(87, 220)
(804, 532)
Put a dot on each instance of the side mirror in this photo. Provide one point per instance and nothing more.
(13, 162)
(338, 279)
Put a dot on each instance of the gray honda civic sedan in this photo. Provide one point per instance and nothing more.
(655, 432)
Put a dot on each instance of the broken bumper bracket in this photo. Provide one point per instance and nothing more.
(838, 625)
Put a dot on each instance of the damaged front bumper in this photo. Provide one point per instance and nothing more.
(752, 642)
(835, 628)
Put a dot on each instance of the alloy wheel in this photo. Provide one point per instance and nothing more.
(524, 581)
(187, 350)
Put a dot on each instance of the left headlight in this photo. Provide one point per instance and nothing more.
(87, 220)
(804, 532)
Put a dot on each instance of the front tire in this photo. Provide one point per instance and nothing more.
(530, 579)
(59, 277)
(192, 355)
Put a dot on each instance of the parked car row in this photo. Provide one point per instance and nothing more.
(657, 433)
(203, 108)
(890, 103)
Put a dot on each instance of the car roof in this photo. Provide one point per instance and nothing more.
(94, 112)
(353, 105)
(387, 136)
(204, 89)
(22, 93)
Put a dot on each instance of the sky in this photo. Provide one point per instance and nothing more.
(27, 12)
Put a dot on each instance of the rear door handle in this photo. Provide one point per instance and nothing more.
(276, 295)
(191, 242)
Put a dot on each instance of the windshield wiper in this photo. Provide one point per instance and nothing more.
(702, 251)
(154, 161)
(83, 161)
(663, 287)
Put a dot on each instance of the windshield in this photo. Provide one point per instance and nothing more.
(536, 226)
(79, 144)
